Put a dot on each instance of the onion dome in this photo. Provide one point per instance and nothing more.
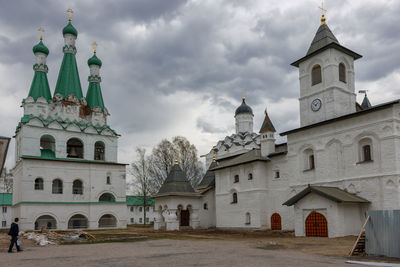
(94, 60)
(243, 108)
(70, 29)
(40, 47)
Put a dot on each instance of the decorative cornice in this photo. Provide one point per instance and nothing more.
(94, 79)
(40, 67)
(69, 49)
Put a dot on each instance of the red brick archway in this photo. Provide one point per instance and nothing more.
(276, 222)
(316, 225)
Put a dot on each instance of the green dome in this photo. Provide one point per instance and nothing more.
(94, 60)
(40, 47)
(70, 29)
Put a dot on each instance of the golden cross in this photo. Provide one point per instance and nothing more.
(41, 33)
(69, 10)
(322, 8)
(94, 46)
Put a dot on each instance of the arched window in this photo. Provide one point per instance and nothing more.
(74, 148)
(108, 179)
(99, 149)
(107, 197)
(77, 187)
(248, 218)
(45, 222)
(78, 221)
(236, 179)
(250, 176)
(57, 186)
(309, 160)
(316, 75)
(39, 184)
(365, 150)
(342, 72)
(234, 198)
(47, 146)
(205, 206)
(107, 220)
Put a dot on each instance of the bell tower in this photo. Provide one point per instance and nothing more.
(326, 77)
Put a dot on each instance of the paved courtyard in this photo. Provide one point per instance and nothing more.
(166, 252)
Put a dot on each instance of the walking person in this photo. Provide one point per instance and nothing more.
(14, 230)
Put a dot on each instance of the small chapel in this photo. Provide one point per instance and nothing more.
(66, 173)
(340, 162)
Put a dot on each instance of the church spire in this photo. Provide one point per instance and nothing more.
(68, 82)
(94, 97)
(40, 85)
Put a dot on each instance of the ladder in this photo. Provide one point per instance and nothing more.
(359, 246)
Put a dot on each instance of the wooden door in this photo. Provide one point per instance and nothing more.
(185, 218)
(276, 222)
(316, 225)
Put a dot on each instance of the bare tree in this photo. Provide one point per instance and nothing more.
(6, 181)
(141, 178)
(163, 156)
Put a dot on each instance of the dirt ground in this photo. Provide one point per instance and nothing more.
(138, 246)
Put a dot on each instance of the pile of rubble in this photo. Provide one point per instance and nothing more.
(46, 237)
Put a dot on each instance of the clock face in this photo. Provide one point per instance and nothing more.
(316, 104)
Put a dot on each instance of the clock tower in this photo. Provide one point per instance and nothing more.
(326, 77)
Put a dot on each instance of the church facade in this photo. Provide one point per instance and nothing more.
(66, 173)
(342, 161)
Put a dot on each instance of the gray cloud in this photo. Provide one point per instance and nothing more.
(160, 57)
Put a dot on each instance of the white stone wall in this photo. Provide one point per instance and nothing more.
(94, 177)
(338, 98)
(6, 216)
(28, 141)
(244, 123)
(261, 197)
(207, 216)
(136, 213)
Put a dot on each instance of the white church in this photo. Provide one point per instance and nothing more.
(66, 173)
(342, 161)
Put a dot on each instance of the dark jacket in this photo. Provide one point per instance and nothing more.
(14, 230)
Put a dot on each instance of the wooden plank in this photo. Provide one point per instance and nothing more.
(359, 236)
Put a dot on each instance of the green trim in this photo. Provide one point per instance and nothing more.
(43, 202)
(94, 97)
(5, 199)
(64, 124)
(72, 160)
(40, 86)
(68, 82)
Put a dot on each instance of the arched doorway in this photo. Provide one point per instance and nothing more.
(184, 215)
(276, 222)
(316, 225)
(78, 221)
(46, 222)
(107, 220)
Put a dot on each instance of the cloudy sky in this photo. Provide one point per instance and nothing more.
(178, 67)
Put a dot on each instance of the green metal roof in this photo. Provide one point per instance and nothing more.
(40, 47)
(70, 29)
(94, 60)
(94, 98)
(40, 86)
(68, 82)
(47, 154)
(5, 199)
(138, 201)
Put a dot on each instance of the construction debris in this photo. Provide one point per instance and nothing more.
(43, 237)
